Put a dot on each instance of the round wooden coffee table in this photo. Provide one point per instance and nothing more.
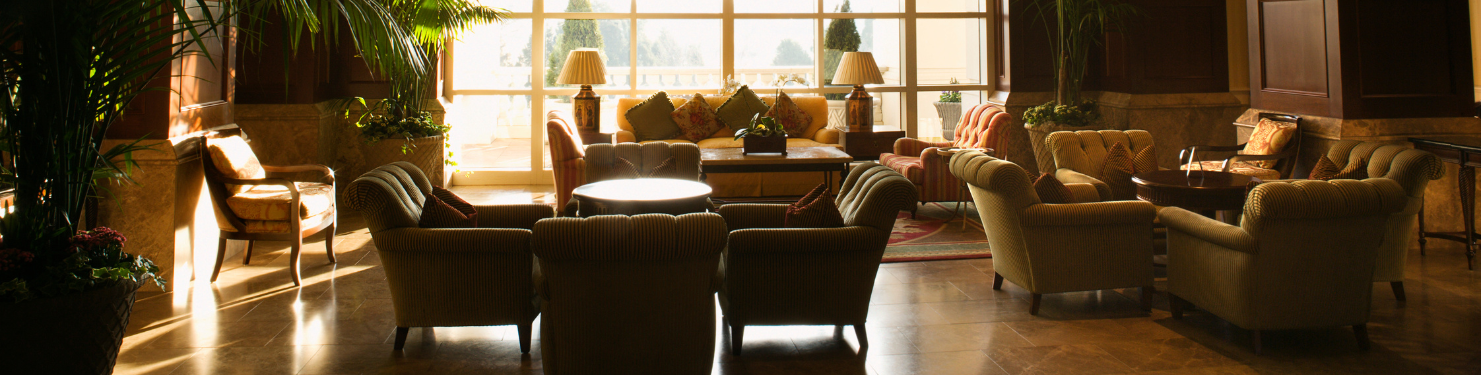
(1201, 191)
(642, 196)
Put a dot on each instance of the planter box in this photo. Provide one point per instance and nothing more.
(762, 145)
(426, 153)
(77, 333)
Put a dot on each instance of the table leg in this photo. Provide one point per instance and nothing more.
(1421, 226)
(1467, 188)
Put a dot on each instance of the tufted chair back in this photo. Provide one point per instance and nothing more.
(604, 161)
(621, 293)
(390, 196)
(566, 153)
(983, 126)
(1413, 170)
(1085, 151)
(873, 195)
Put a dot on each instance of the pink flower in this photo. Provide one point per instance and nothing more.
(14, 258)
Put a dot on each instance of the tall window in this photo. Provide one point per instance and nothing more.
(502, 77)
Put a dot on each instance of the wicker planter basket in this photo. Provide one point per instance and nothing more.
(427, 155)
(1039, 132)
(73, 334)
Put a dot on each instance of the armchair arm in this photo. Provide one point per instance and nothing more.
(453, 240)
(1069, 176)
(805, 240)
(521, 216)
(826, 136)
(753, 215)
(327, 175)
(1207, 230)
(1089, 214)
(624, 136)
(912, 146)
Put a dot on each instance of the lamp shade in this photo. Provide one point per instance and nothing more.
(857, 68)
(584, 66)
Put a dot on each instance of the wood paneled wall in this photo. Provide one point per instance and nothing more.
(196, 94)
(313, 75)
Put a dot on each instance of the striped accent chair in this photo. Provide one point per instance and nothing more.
(567, 156)
(608, 161)
(1057, 248)
(795, 276)
(1413, 170)
(982, 126)
(1302, 257)
(449, 277)
(1079, 156)
(628, 294)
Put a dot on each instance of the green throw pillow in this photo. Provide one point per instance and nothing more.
(737, 111)
(652, 119)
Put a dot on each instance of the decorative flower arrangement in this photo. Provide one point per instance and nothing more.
(784, 79)
(731, 86)
(951, 96)
(92, 258)
(1082, 114)
(399, 121)
(762, 126)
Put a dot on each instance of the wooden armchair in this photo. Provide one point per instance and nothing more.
(1281, 133)
(983, 126)
(261, 202)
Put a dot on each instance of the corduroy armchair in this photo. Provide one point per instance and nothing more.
(982, 126)
(567, 155)
(628, 294)
(1080, 156)
(606, 162)
(449, 277)
(1056, 248)
(1301, 257)
(1413, 170)
(792, 276)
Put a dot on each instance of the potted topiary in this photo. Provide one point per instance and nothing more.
(764, 135)
(392, 131)
(1078, 25)
(949, 107)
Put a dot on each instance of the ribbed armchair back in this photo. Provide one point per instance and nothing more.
(567, 154)
(1001, 191)
(873, 195)
(1413, 170)
(389, 196)
(1085, 151)
(604, 161)
(628, 294)
(983, 126)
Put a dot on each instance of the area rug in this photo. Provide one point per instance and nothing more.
(935, 235)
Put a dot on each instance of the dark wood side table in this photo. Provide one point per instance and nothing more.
(594, 138)
(1202, 191)
(1464, 151)
(641, 196)
(868, 145)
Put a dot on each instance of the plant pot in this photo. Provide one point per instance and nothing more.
(78, 333)
(763, 145)
(951, 114)
(427, 154)
(1039, 132)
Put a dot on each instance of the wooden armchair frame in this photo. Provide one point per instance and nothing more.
(1285, 159)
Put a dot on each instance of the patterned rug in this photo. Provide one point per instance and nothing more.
(935, 235)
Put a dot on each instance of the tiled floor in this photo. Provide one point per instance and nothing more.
(926, 318)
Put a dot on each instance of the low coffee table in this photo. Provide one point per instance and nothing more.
(828, 160)
(1202, 191)
(641, 196)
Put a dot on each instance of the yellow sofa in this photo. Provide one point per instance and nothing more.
(750, 184)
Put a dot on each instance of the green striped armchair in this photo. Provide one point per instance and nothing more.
(628, 294)
(1079, 156)
(1057, 248)
(449, 277)
(804, 276)
(1302, 257)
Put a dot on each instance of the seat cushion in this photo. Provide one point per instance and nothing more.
(910, 166)
(234, 158)
(270, 202)
(1239, 167)
(280, 226)
(1269, 138)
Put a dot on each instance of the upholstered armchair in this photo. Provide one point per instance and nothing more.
(1413, 170)
(454, 276)
(261, 202)
(567, 155)
(628, 294)
(1277, 135)
(1080, 156)
(793, 276)
(1302, 256)
(982, 126)
(1056, 248)
(656, 159)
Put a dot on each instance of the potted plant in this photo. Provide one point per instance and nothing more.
(1077, 25)
(949, 107)
(764, 135)
(68, 70)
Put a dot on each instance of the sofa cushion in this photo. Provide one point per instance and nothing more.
(792, 118)
(696, 119)
(270, 202)
(1269, 138)
(737, 111)
(814, 210)
(653, 119)
(234, 158)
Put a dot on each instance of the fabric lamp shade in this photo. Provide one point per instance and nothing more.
(857, 68)
(584, 66)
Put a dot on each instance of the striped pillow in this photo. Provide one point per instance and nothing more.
(1117, 172)
(1051, 190)
(443, 209)
(814, 210)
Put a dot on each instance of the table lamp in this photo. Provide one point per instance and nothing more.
(584, 67)
(858, 69)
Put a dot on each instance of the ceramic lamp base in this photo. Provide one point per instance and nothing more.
(860, 111)
(587, 108)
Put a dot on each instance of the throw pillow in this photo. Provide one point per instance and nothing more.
(653, 119)
(814, 210)
(1117, 172)
(792, 118)
(737, 111)
(439, 213)
(696, 120)
(1051, 190)
(1145, 160)
(629, 170)
(1269, 138)
(1326, 169)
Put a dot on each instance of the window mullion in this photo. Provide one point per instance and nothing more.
(910, 122)
(727, 42)
(537, 87)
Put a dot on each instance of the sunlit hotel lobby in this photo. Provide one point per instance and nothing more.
(568, 187)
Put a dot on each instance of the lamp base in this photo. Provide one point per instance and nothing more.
(587, 108)
(860, 113)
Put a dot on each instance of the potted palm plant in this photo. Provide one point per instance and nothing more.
(1078, 24)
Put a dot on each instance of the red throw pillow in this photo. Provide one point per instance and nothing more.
(814, 210)
(443, 209)
(1051, 190)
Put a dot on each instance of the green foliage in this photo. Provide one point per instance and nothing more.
(574, 34)
(394, 119)
(91, 259)
(842, 36)
(951, 96)
(762, 127)
(1082, 114)
(789, 53)
(1077, 25)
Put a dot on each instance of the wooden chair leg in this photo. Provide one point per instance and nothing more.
(1175, 305)
(1361, 331)
(329, 242)
(293, 262)
(863, 338)
(997, 281)
(1255, 339)
(1147, 297)
(838, 331)
(1033, 309)
(247, 255)
(737, 332)
(524, 336)
(220, 253)
(1398, 287)
(401, 337)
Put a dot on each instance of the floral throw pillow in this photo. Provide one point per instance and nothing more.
(1269, 138)
(792, 118)
(696, 119)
